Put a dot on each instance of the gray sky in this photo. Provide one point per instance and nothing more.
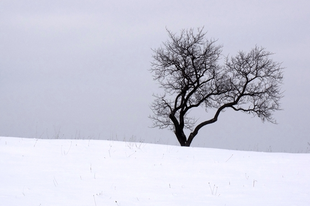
(80, 69)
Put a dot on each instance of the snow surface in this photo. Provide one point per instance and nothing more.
(98, 172)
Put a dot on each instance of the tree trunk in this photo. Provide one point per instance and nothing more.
(181, 137)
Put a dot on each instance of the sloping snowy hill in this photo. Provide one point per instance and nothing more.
(97, 172)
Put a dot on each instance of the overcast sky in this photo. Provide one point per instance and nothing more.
(80, 69)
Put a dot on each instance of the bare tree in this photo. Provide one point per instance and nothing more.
(187, 69)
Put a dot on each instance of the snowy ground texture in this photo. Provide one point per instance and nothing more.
(99, 173)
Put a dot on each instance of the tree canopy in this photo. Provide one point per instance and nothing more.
(188, 70)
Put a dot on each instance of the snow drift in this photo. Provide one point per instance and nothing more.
(99, 172)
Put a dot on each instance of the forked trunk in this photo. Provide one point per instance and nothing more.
(184, 142)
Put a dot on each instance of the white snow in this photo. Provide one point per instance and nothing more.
(98, 173)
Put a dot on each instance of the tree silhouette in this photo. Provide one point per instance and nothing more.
(187, 69)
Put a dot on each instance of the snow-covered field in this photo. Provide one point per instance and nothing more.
(97, 172)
